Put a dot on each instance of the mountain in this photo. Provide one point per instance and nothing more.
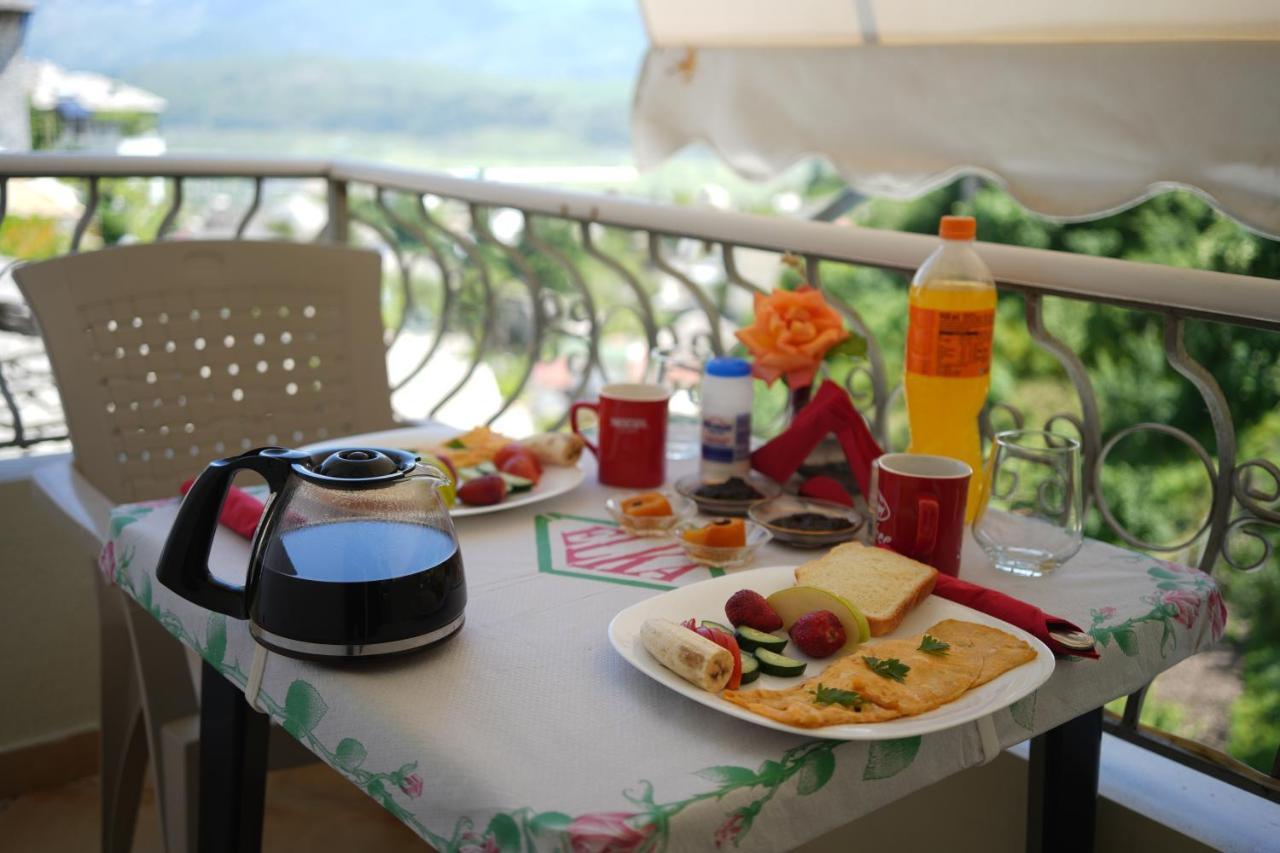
(418, 99)
(598, 40)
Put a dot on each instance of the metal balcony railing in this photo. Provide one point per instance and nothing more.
(554, 292)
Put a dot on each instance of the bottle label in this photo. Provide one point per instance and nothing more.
(726, 440)
(949, 343)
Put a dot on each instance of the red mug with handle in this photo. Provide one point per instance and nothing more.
(633, 434)
(917, 507)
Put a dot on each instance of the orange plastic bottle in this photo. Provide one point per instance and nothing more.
(948, 360)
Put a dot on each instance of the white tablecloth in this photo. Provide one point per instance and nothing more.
(527, 731)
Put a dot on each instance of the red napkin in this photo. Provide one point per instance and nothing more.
(830, 411)
(1029, 618)
(240, 511)
(825, 489)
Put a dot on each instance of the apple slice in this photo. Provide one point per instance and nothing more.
(795, 601)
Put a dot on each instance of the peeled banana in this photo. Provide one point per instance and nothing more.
(691, 656)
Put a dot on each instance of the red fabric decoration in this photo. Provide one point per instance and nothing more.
(825, 489)
(1028, 617)
(240, 511)
(830, 411)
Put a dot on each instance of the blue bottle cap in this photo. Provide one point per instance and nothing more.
(728, 367)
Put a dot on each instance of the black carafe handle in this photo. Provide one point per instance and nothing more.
(184, 562)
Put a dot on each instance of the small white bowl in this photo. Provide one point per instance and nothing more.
(652, 525)
(725, 558)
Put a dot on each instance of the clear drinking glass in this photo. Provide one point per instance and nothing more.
(680, 370)
(1031, 523)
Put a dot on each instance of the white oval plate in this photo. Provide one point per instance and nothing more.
(705, 600)
(556, 480)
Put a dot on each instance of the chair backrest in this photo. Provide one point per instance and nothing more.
(169, 355)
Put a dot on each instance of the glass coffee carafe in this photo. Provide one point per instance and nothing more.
(355, 555)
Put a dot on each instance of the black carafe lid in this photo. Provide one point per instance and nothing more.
(353, 467)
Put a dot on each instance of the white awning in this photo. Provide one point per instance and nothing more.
(1078, 109)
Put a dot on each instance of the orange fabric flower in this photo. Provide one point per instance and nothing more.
(791, 335)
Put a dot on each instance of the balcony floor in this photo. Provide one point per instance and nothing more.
(308, 808)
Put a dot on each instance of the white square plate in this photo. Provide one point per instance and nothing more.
(705, 600)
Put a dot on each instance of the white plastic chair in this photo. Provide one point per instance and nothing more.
(167, 356)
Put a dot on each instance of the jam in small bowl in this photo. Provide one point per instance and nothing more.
(730, 497)
(726, 543)
(807, 522)
(650, 513)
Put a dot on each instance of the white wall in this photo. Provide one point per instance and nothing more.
(48, 620)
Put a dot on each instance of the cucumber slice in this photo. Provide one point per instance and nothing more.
(751, 639)
(776, 664)
(750, 668)
(515, 484)
(719, 626)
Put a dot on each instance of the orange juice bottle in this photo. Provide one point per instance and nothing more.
(948, 361)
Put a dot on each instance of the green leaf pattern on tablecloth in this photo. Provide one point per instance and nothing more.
(816, 771)
(1024, 711)
(350, 753)
(886, 758)
(215, 643)
(303, 708)
(645, 825)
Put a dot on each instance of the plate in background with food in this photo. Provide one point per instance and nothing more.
(490, 472)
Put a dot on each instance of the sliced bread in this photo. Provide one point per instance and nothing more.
(884, 585)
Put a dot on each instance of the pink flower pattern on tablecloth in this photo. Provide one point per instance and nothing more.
(609, 832)
(1183, 606)
(1180, 598)
(412, 785)
(732, 829)
(107, 562)
(472, 843)
(1217, 613)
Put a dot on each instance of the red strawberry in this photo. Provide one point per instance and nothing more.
(748, 607)
(483, 491)
(510, 451)
(818, 633)
(521, 465)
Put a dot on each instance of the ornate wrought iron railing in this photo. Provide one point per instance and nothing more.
(539, 295)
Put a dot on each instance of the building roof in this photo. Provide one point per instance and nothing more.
(51, 85)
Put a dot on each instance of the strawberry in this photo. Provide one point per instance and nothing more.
(521, 465)
(483, 491)
(818, 633)
(511, 451)
(748, 607)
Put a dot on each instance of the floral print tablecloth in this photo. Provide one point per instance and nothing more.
(528, 732)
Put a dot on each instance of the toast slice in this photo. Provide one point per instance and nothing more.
(884, 585)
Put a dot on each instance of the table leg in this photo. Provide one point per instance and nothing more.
(233, 767)
(1062, 794)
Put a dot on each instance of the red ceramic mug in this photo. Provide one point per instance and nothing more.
(917, 506)
(633, 434)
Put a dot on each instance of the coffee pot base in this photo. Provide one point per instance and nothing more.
(327, 651)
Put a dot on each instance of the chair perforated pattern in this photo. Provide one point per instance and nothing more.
(170, 355)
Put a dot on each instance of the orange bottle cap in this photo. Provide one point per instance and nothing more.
(957, 228)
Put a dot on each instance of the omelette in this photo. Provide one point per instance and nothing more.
(976, 655)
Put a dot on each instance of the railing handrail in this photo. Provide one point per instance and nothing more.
(1240, 299)
(47, 164)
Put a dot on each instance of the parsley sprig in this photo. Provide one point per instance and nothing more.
(933, 645)
(836, 696)
(889, 668)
